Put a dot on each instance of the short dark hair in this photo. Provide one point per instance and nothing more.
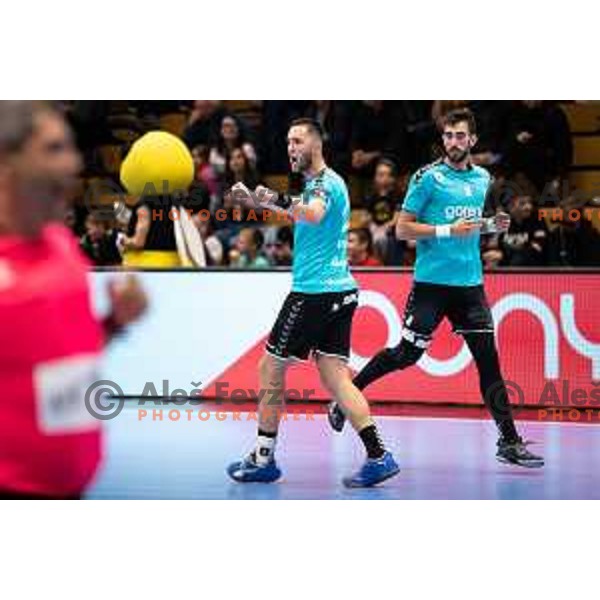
(311, 124)
(364, 237)
(460, 115)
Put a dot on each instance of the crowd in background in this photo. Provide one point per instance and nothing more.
(375, 145)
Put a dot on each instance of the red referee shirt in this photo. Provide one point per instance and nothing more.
(50, 343)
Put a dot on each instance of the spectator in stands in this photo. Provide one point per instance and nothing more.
(563, 247)
(421, 132)
(377, 130)
(239, 168)
(213, 248)
(204, 123)
(492, 118)
(575, 242)
(248, 250)
(89, 119)
(199, 197)
(101, 241)
(382, 203)
(74, 218)
(589, 235)
(205, 174)
(230, 220)
(278, 246)
(524, 244)
(360, 248)
(231, 136)
(538, 142)
(381, 206)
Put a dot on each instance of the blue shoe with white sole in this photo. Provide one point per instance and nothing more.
(248, 471)
(374, 471)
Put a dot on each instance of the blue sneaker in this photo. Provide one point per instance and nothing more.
(374, 471)
(247, 471)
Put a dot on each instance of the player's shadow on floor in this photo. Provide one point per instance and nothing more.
(254, 491)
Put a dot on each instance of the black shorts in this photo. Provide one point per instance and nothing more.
(428, 304)
(318, 323)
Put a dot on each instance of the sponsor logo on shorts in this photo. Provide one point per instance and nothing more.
(350, 298)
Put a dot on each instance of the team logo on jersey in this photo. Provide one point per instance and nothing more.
(438, 177)
(318, 192)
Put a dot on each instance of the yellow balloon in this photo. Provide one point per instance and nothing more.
(158, 163)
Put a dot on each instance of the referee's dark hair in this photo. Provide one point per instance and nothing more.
(460, 115)
(311, 124)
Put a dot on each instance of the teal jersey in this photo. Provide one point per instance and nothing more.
(440, 195)
(320, 261)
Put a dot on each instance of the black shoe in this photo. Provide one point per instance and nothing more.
(336, 417)
(516, 453)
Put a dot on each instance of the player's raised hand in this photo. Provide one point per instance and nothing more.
(463, 228)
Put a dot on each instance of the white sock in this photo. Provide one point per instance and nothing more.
(265, 448)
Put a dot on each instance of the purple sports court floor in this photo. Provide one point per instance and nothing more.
(440, 459)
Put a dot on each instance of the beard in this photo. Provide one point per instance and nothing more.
(300, 164)
(42, 202)
(456, 156)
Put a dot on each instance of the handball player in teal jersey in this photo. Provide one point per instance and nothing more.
(443, 211)
(316, 317)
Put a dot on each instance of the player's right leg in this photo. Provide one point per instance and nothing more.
(285, 342)
(260, 464)
(424, 312)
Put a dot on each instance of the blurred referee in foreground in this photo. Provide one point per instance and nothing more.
(50, 340)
